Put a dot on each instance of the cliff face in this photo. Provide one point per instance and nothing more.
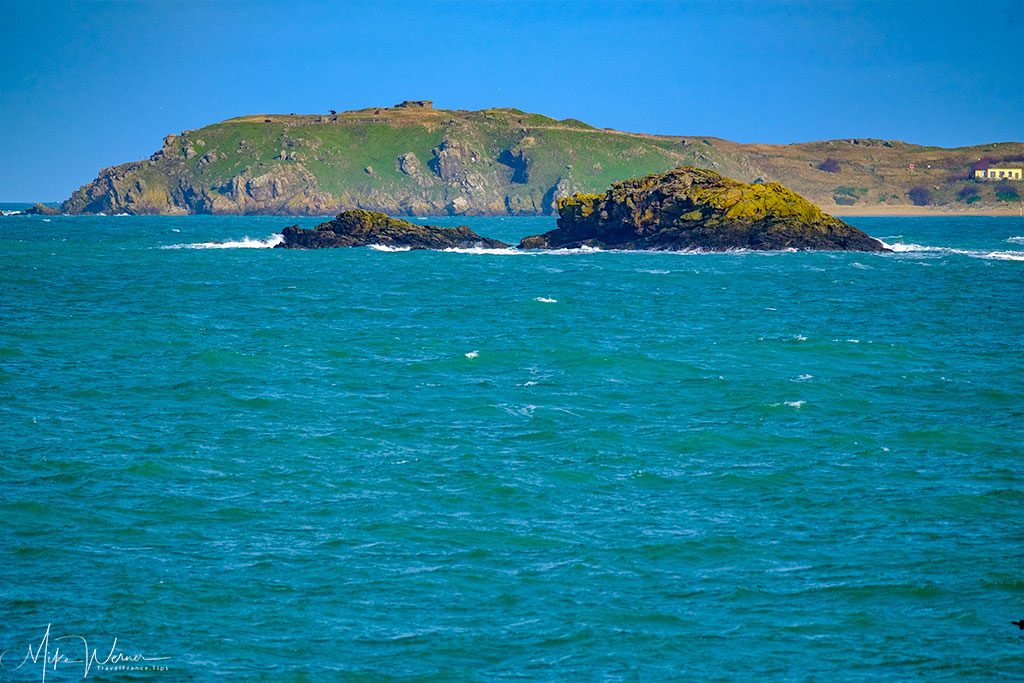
(416, 160)
(691, 208)
(402, 160)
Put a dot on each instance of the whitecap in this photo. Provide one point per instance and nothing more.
(545, 300)
(1016, 240)
(904, 247)
(1006, 255)
(385, 247)
(795, 404)
(803, 378)
(472, 354)
(244, 243)
(485, 250)
(566, 252)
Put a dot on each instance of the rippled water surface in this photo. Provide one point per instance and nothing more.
(294, 465)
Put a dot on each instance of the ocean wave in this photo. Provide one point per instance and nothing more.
(244, 243)
(791, 404)
(905, 248)
(484, 250)
(385, 247)
(545, 300)
(512, 251)
(1019, 239)
(5, 212)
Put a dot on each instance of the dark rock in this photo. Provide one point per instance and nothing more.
(43, 210)
(359, 228)
(691, 208)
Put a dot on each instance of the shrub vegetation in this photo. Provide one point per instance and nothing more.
(920, 196)
(830, 165)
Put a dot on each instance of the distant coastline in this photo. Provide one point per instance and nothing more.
(414, 160)
(911, 211)
(18, 209)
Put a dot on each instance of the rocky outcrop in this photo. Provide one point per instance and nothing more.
(359, 228)
(42, 210)
(691, 208)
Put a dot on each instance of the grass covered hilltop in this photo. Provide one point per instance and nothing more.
(412, 159)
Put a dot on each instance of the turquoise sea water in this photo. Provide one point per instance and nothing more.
(310, 465)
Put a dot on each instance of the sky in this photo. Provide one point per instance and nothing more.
(95, 83)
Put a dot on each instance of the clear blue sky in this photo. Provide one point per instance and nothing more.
(95, 83)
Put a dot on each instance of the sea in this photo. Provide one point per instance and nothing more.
(223, 460)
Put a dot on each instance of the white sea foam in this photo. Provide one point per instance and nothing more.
(803, 378)
(1006, 255)
(795, 404)
(244, 243)
(472, 354)
(175, 230)
(385, 247)
(12, 213)
(1016, 240)
(904, 247)
(545, 300)
(562, 252)
(485, 250)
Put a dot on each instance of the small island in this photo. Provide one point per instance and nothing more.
(359, 228)
(684, 209)
(690, 208)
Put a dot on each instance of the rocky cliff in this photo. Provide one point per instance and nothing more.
(691, 208)
(416, 160)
